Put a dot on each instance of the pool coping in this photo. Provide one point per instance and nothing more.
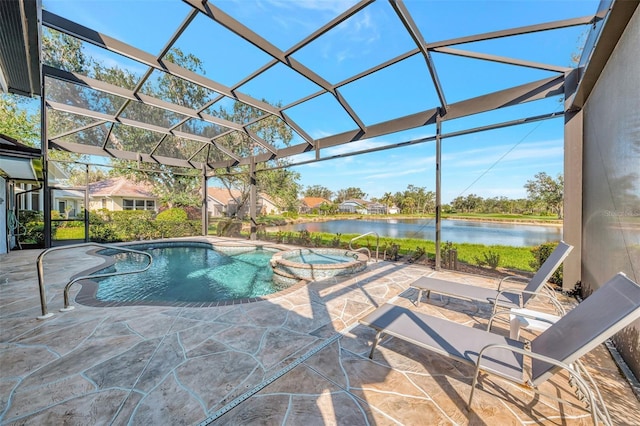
(89, 288)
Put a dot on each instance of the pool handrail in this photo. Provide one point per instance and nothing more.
(40, 266)
(366, 248)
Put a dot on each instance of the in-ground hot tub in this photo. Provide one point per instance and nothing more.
(315, 264)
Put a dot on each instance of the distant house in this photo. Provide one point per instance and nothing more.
(393, 210)
(309, 204)
(222, 202)
(68, 202)
(353, 206)
(362, 207)
(121, 194)
(376, 208)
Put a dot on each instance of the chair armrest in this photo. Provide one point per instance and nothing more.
(512, 278)
(522, 291)
(586, 390)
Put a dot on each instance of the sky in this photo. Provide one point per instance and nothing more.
(489, 164)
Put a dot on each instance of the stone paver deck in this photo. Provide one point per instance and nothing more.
(296, 358)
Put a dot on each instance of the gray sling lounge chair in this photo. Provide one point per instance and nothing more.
(506, 298)
(609, 309)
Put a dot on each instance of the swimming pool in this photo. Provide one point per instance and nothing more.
(189, 272)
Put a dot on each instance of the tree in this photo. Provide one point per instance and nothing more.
(318, 191)
(281, 184)
(387, 199)
(17, 122)
(174, 186)
(547, 190)
(350, 194)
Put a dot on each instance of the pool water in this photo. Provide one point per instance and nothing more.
(189, 274)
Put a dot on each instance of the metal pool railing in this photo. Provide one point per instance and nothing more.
(39, 263)
(366, 248)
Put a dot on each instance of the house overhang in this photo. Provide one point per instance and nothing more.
(18, 161)
(20, 69)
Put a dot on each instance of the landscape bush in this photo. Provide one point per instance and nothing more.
(174, 214)
(540, 254)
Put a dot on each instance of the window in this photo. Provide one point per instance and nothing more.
(138, 204)
(104, 203)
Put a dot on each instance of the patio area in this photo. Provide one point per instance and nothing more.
(300, 357)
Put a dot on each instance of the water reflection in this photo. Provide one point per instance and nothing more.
(457, 231)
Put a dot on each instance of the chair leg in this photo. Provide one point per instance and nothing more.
(473, 385)
(375, 344)
(419, 297)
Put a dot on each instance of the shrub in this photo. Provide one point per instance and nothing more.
(393, 252)
(134, 224)
(417, 254)
(103, 233)
(490, 259)
(174, 214)
(304, 238)
(540, 254)
(33, 223)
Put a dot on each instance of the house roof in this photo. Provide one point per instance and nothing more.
(120, 187)
(222, 195)
(313, 202)
(361, 202)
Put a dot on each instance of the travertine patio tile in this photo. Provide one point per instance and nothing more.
(169, 403)
(193, 337)
(90, 409)
(60, 338)
(36, 399)
(242, 338)
(123, 370)
(265, 410)
(278, 344)
(327, 408)
(86, 356)
(19, 361)
(214, 378)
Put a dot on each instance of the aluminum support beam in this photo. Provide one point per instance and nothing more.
(501, 59)
(219, 16)
(554, 25)
(253, 200)
(83, 33)
(415, 34)
(438, 189)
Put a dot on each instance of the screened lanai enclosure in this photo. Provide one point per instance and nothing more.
(196, 87)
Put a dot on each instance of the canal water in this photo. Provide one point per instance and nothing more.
(457, 231)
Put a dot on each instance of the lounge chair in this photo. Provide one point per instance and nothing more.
(506, 298)
(609, 309)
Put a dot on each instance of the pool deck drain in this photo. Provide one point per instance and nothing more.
(248, 394)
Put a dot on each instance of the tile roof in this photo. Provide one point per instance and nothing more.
(120, 187)
(313, 202)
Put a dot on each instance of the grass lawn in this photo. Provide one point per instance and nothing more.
(69, 233)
